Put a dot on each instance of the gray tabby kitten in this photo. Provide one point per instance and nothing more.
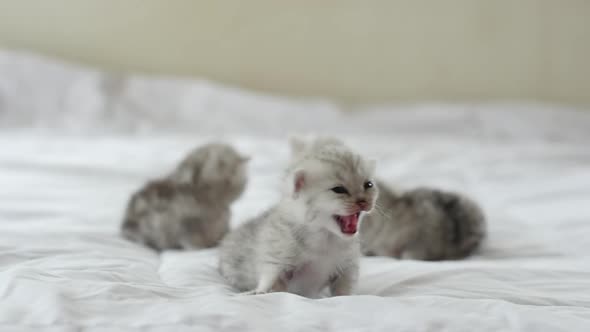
(423, 224)
(309, 240)
(190, 208)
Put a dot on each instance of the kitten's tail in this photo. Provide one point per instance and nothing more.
(131, 226)
(130, 229)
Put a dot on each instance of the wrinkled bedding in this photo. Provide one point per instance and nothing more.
(75, 142)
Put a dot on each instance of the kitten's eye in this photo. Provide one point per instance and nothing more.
(340, 190)
(368, 185)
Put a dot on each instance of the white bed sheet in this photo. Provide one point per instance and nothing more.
(71, 152)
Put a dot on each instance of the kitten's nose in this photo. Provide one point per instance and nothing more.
(362, 204)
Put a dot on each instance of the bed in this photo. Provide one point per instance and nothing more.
(75, 142)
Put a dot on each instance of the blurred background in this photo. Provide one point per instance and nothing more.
(349, 51)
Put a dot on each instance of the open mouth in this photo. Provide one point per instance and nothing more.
(348, 224)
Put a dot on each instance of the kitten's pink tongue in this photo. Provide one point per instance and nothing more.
(349, 223)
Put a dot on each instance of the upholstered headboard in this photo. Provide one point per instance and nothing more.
(373, 50)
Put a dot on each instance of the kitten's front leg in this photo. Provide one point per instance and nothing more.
(269, 279)
(345, 283)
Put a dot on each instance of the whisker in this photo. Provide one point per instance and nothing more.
(382, 211)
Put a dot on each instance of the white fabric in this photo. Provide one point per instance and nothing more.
(75, 143)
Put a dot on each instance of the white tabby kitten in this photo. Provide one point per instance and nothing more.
(309, 240)
(191, 207)
(422, 224)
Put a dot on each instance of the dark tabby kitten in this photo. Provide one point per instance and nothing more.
(190, 208)
(423, 224)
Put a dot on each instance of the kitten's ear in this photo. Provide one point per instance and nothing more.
(298, 182)
(297, 146)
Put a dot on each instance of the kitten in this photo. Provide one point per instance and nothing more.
(309, 240)
(190, 208)
(423, 224)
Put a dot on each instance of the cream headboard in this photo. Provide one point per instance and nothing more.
(371, 50)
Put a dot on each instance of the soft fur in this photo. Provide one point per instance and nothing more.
(190, 208)
(298, 246)
(423, 224)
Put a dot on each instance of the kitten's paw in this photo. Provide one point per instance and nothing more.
(397, 253)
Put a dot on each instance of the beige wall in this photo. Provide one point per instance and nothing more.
(371, 50)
